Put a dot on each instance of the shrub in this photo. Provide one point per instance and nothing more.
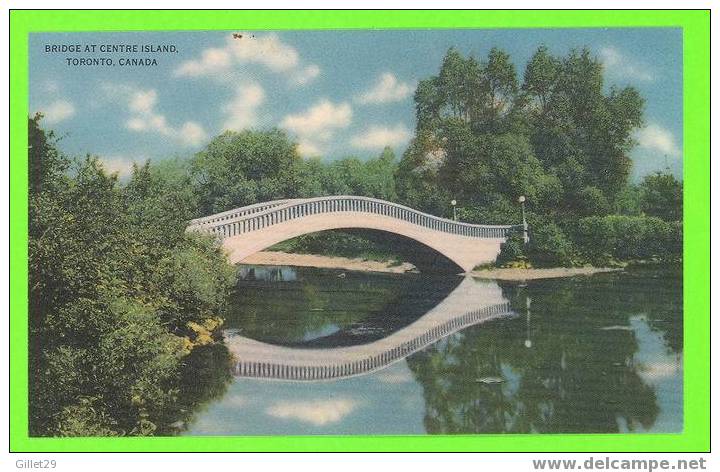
(548, 246)
(662, 196)
(512, 250)
(592, 201)
(601, 239)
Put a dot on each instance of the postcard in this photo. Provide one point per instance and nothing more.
(449, 233)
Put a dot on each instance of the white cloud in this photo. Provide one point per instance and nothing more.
(267, 50)
(143, 101)
(659, 370)
(242, 109)
(619, 65)
(114, 92)
(222, 63)
(144, 118)
(377, 137)
(58, 111)
(394, 376)
(319, 118)
(192, 133)
(316, 126)
(317, 412)
(308, 148)
(51, 86)
(212, 61)
(656, 138)
(117, 164)
(387, 89)
(306, 74)
(236, 401)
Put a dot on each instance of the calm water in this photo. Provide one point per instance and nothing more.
(586, 354)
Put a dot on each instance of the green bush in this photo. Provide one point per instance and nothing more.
(602, 239)
(548, 246)
(662, 196)
(592, 201)
(512, 250)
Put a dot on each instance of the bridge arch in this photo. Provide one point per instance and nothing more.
(471, 303)
(425, 259)
(247, 230)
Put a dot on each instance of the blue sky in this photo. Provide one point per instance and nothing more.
(338, 93)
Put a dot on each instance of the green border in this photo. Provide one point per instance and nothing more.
(696, 82)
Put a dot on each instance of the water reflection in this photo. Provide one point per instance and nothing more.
(310, 308)
(588, 354)
(471, 302)
(584, 370)
(267, 273)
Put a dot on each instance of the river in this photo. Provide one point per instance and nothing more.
(333, 352)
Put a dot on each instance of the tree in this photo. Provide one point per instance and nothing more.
(562, 139)
(545, 388)
(120, 296)
(45, 163)
(502, 82)
(371, 178)
(662, 196)
(160, 201)
(416, 177)
(540, 79)
(241, 168)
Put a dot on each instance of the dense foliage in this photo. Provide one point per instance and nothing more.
(119, 296)
(242, 168)
(558, 136)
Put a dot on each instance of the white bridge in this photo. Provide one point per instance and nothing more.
(250, 229)
(471, 302)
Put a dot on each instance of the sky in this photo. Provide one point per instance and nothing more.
(337, 93)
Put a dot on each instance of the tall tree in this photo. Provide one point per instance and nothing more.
(662, 196)
(241, 168)
(570, 138)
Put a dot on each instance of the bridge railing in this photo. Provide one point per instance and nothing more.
(332, 370)
(247, 219)
(234, 214)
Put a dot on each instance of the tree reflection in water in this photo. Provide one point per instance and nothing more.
(203, 378)
(593, 354)
(579, 373)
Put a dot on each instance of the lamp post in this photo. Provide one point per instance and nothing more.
(528, 341)
(521, 199)
(453, 203)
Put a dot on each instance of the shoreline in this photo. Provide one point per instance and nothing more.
(356, 264)
(325, 262)
(540, 273)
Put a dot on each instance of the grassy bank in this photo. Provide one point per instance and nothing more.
(359, 245)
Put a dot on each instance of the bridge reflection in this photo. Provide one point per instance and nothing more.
(472, 302)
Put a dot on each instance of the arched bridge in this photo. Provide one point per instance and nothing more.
(472, 302)
(250, 229)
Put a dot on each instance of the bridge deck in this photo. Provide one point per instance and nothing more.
(255, 217)
(250, 229)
